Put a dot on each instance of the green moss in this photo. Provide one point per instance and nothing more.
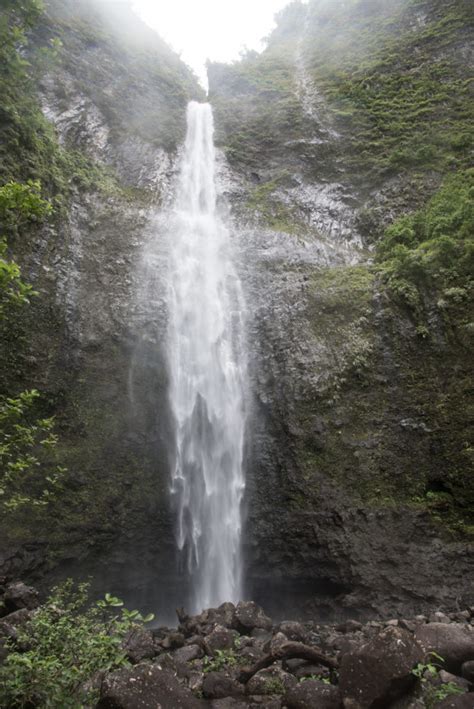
(390, 437)
(271, 211)
(433, 249)
(397, 86)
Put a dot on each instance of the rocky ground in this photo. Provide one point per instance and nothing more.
(234, 656)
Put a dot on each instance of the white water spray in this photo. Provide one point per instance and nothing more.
(207, 373)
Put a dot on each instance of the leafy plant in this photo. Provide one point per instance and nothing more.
(433, 247)
(221, 660)
(22, 202)
(13, 290)
(26, 474)
(64, 646)
(319, 678)
(426, 672)
(274, 685)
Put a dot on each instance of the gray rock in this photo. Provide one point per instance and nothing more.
(294, 631)
(248, 616)
(467, 670)
(380, 671)
(139, 645)
(145, 687)
(217, 685)
(454, 642)
(188, 653)
(449, 678)
(438, 617)
(9, 624)
(272, 680)
(221, 638)
(18, 595)
(312, 694)
(408, 625)
(277, 641)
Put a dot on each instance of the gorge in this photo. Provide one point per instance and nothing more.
(329, 293)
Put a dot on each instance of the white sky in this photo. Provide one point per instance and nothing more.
(210, 29)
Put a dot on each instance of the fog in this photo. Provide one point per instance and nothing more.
(210, 29)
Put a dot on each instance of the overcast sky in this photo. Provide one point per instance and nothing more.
(210, 29)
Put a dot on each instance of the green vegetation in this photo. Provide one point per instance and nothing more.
(258, 107)
(433, 249)
(271, 211)
(221, 660)
(390, 438)
(434, 690)
(28, 478)
(274, 685)
(388, 76)
(397, 84)
(63, 646)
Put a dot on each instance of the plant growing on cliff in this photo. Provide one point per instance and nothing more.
(27, 477)
(433, 248)
(67, 646)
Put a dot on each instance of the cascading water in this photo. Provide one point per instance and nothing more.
(207, 373)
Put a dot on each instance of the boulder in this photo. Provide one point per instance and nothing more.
(272, 680)
(276, 642)
(311, 694)
(217, 685)
(9, 624)
(221, 638)
(467, 671)
(18, 595)
(454, 642)
(379, 671)
(294, 631)
(448, 678)
(139, 645)
(205, 622)
(188, 653)
(145, 686)
(248, 615)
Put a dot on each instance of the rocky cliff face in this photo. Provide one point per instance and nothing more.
(359, 499)
(115, 97)
(359, 488)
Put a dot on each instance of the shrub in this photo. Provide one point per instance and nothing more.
(66, 646)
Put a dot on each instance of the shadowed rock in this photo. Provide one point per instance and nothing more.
(145, 687)
(453, 642)
(379, 671)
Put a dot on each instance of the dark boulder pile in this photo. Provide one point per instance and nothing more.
(234, 657)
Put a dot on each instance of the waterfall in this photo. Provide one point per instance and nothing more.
(207, 373)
